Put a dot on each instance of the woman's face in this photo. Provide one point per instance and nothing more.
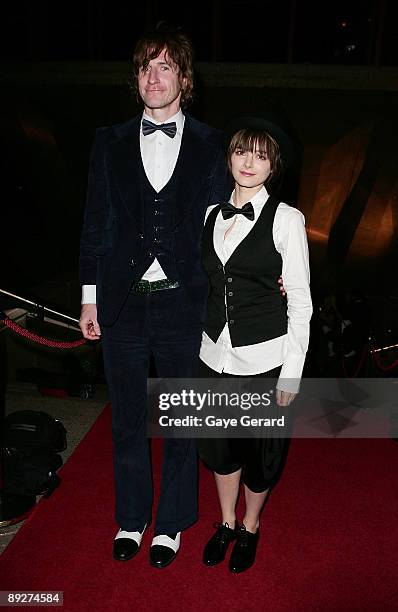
(250, 168)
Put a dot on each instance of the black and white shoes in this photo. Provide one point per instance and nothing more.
(164, 549)
(126, 544)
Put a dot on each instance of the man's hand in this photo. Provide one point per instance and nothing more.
(281, 288)
(88, 322)
(284, 398)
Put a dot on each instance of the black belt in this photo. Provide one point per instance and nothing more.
(144, 286)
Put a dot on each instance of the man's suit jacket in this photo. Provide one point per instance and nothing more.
(113, 231)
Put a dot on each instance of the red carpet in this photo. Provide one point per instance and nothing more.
(329, 538)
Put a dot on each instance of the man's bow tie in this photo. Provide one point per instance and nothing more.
(168, 128)
(228, 211)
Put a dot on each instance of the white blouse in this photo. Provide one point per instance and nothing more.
(289, 350)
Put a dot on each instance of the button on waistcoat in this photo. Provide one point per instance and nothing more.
(158, 235)
(244, 292)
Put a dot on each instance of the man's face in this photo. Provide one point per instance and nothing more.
(159, 84)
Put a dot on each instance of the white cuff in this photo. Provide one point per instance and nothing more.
(89, 294)
(291, 372)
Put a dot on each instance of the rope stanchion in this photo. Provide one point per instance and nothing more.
(16, 507)
(39, 339)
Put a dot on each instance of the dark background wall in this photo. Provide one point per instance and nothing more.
(338, 31)
(329, 67)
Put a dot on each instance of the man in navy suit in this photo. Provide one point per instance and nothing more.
(144, 289)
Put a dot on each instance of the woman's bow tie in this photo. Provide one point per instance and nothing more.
(228, 211)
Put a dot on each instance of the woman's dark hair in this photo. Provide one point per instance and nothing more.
(178, 51)
(255, 139)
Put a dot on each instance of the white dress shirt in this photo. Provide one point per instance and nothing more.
(159, 155)
(289, 350)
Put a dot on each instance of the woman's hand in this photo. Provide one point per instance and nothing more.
(281, 287)
(284, 398)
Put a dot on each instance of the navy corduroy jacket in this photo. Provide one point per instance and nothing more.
(113, 230)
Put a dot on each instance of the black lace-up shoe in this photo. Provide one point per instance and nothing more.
(244, 552)
(216, 548)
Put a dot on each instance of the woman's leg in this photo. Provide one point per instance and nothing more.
(263, 461)
(254, 505)
(244, 551)
(228, 491)
(221, 457)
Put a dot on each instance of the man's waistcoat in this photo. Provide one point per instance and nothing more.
(158, 232)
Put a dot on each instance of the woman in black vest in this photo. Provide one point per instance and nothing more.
(251, 328)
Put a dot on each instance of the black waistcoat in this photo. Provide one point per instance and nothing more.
(245, 292)
(158, 225)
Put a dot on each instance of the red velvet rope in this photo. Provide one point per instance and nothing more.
(39, 339)
(69, 345)
(376, 359)
(385, 368)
